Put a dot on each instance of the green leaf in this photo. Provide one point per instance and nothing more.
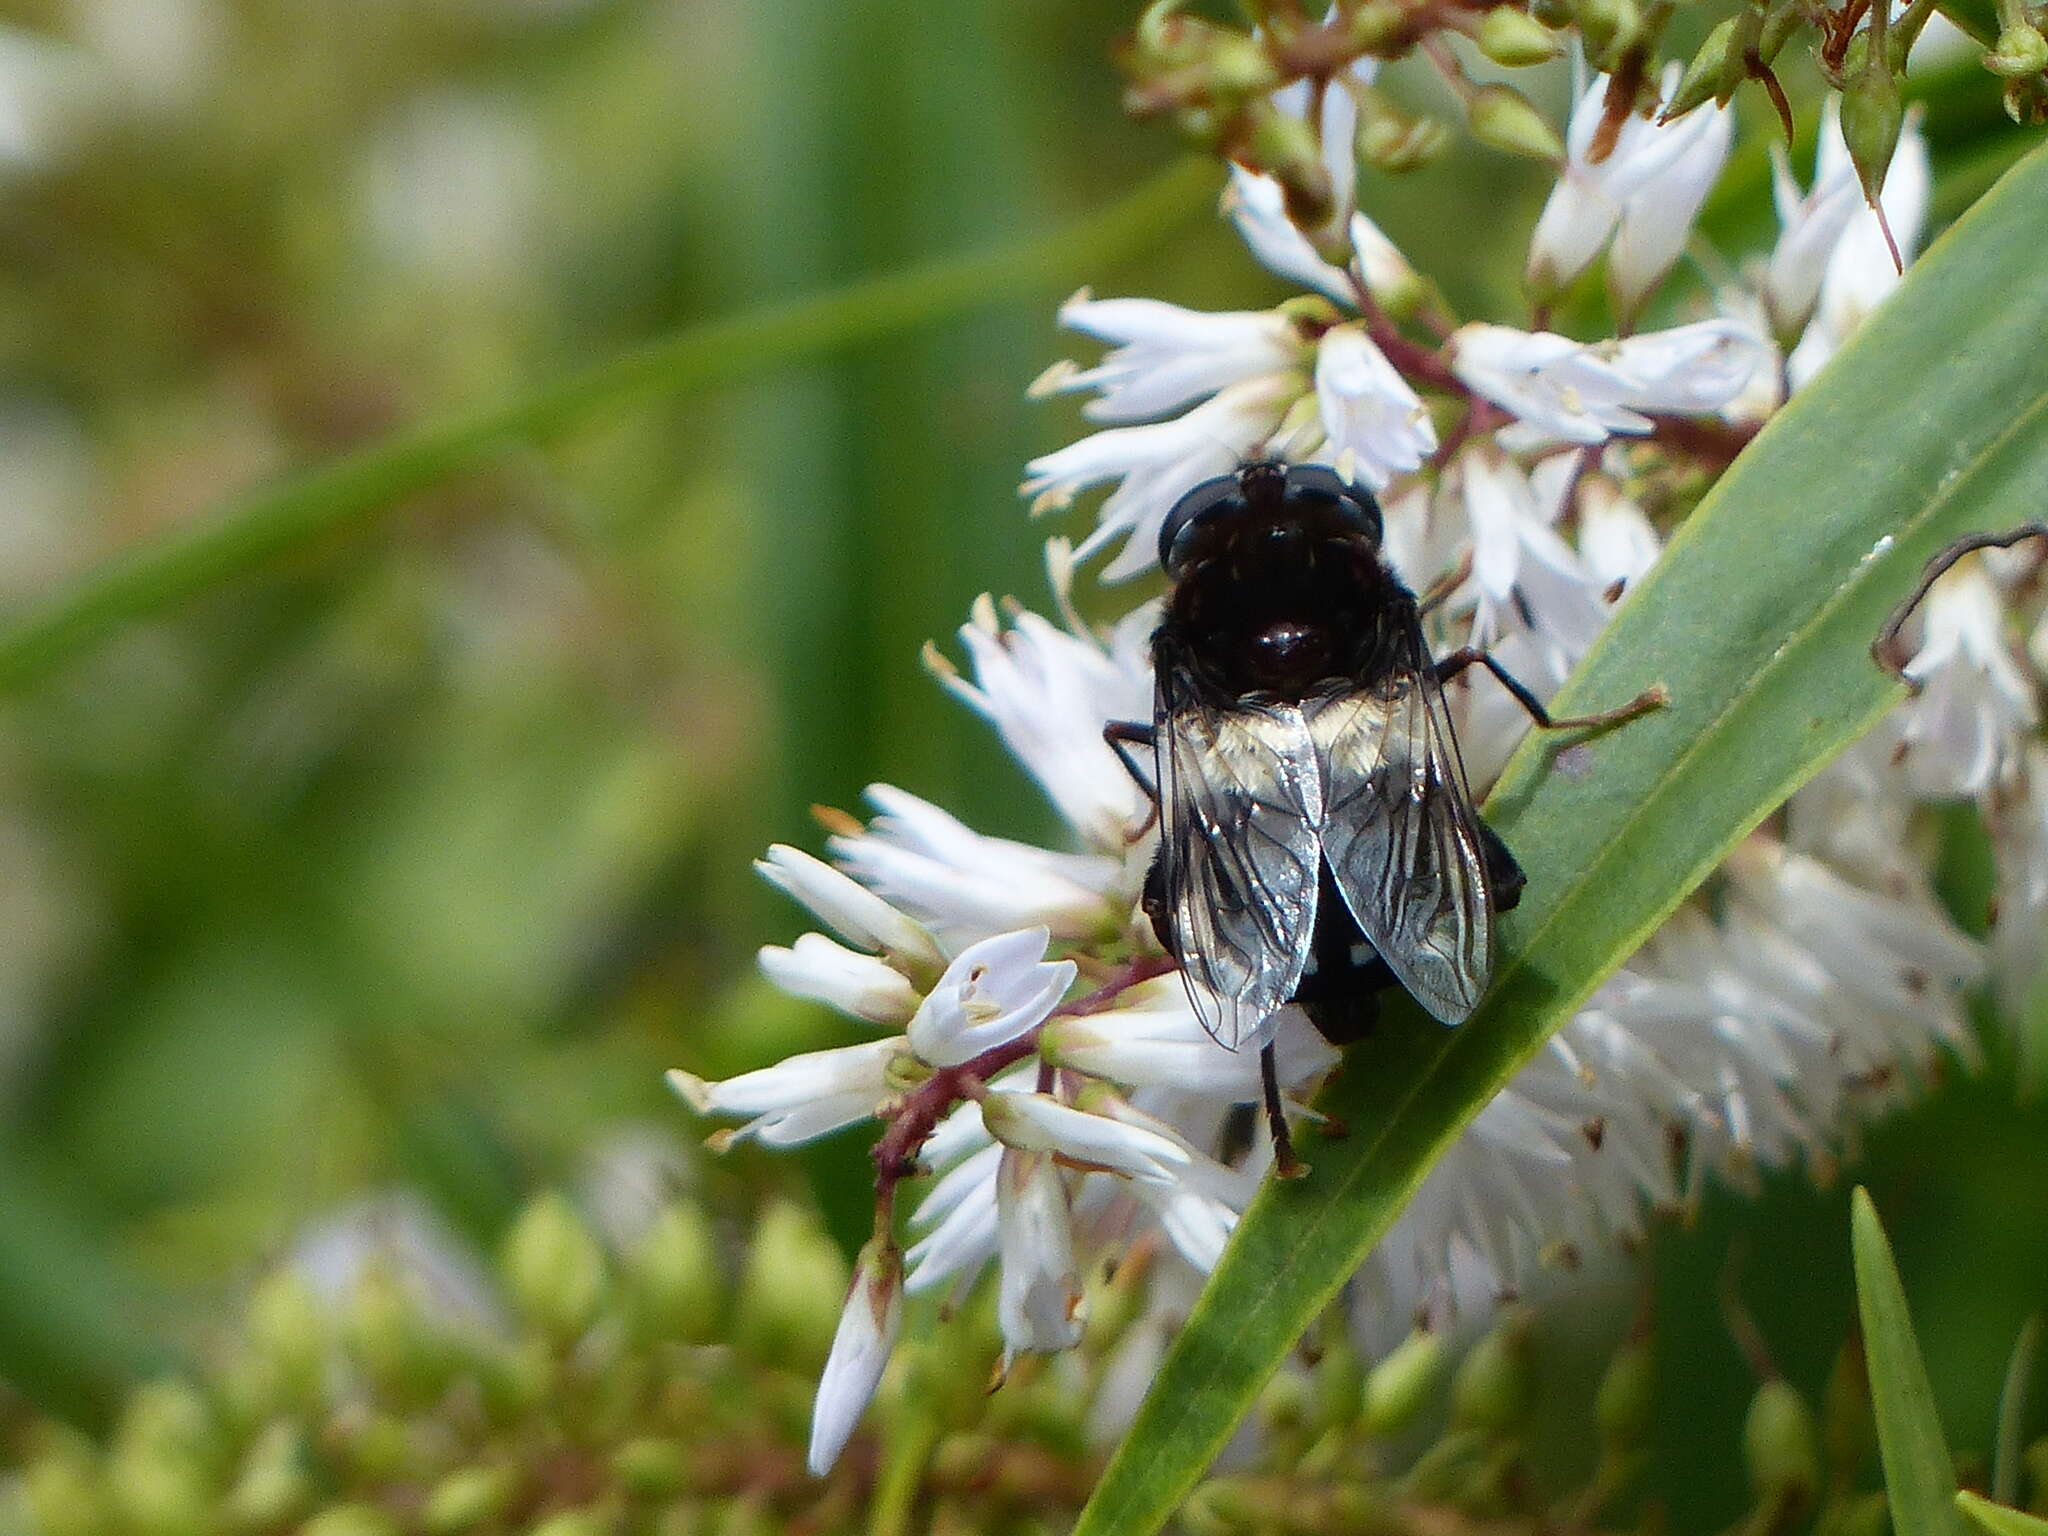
(2012, 1412)
(1997, 1519)
(1919, 1473)
(275, 520)
(1930, 424)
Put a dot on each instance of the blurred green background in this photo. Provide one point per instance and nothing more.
(410, 860)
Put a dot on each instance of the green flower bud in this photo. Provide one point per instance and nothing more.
(162, 1467)
(1780, 22)
(790, 1295)
(1394, 142)
(1500, 117)
(651, 1468)
(66, 1497)
(1778, 1446)
(1397, 1388)
(289, 1336)
(350, 1520)
(1554, 14)
(389, 1341)
(379, 1449)
(1235, 65)
(1717, 67)
(1627, 1397)
(276, 1480)
(2021, 51)
(674, 1279)
(1607, 26)
(1377, 26)
(1496, 1383)
(1872, 115)
(555, 1269)
(1284, 1402)
(466, 1499)
(1514, 39)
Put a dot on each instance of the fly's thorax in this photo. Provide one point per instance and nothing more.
(1280, 609)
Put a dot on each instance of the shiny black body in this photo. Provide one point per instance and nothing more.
(1279, 597)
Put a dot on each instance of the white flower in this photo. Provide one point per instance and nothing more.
(1809, 224)
(1859, 273)
(1337, 126)
(964, 885)
(1156, 464)
(1039, 1298)
(801, 1098)
(847, 907)
(860, 1351)
(1377, 427)
(992, 992)
(1648, 188)
(1526, 575)
(854, 983)
(1153, 1039)
(1616, 540)
(2019, 939)
(1256, 204)
(1563, 390)
(1166, 357)
(960, 1209)
(1961, 733)
(1378, 263)
(1049, 693)
(1037, 1122)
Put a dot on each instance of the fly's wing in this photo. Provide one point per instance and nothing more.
(1241, 801)
(1401, 837)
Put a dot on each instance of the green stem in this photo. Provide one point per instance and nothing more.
(264, 524)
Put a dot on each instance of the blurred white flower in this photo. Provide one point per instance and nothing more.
(1962, 733)
(1039, 1298)
(1810, 224)
(1256, 204)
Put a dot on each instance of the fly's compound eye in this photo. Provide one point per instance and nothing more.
(1175, 535)
(1354, 503)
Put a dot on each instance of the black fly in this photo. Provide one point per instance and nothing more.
(1318, 841)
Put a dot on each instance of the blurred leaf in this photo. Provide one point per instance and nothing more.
(210, 550)
(1767, 658)
(1998, 1519)
(2012, 1412)
(1919, 1474)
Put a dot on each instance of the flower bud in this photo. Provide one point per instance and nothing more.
(468, 1498)
(1514, 39)
(275, 1483)
(1778, 1446)
(350, 1520)
(1287, 149)
(1718, 66)
(1377, 25)
(555, 1269)
(1236, 65)
(1500, 117)
(1496, 1382)
(161, 1470)
(790, 1293)
(651, 1468)
(289, 1335)
(1395, 142)
(2021, 51)
(1872, 115)
(1607, 26)
(66, 1497)
(575, 1522)
(1397, 1387)
(673, 1276)
(1627, 1396)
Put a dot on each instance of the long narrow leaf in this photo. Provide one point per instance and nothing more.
(1931, 423)
(1919, 1474)
(1997, 1519)
(276, 519)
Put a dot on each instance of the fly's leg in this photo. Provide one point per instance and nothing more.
(1121, 736)
(1654, 697)
(1285, 1164)
(1886, 650)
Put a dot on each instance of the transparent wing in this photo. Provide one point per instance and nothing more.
(1241, 800)
(1402, 839)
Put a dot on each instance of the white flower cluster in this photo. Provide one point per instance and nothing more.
(1043, 1066)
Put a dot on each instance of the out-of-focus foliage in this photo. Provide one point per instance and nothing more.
(411, 861)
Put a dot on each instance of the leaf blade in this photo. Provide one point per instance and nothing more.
(1770, 677)
(1919, 1473)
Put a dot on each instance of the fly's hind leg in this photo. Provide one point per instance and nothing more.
(1121, 736)
(1285, 1164)
(1653, 697)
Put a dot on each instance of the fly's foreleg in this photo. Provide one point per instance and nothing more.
(1654, 697)
(1285, 1164)
(1887, 650)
